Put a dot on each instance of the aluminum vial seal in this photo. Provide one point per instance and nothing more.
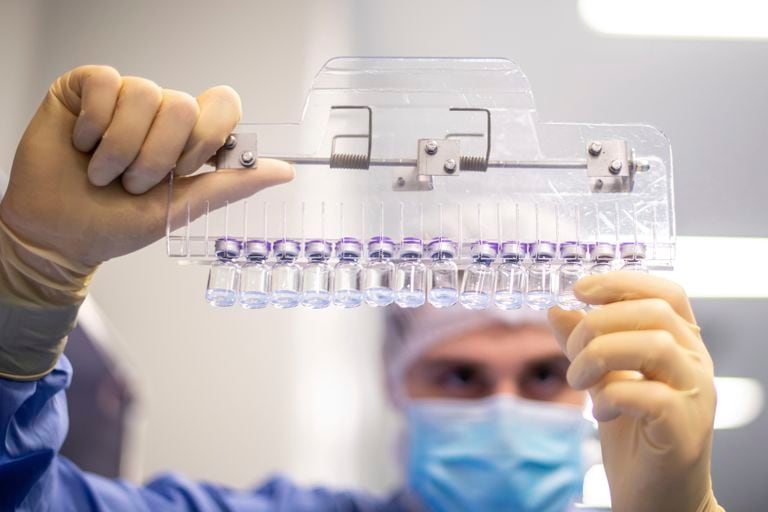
(381, 247)
(542, 251)
(632, 251)
(572, 251)
(513, 250)
(602, 251)
(318, 249)
(257, 249)
(227, 248)
(484, 251)
(441, 248)
(348, 248)
(411, 248)
(286, 249)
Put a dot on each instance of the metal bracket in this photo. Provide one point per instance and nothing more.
(609, 166)
(352, 160)
(238, 152)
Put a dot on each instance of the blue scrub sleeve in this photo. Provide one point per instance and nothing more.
(34, 477)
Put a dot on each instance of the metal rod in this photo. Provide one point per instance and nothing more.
(411, 162)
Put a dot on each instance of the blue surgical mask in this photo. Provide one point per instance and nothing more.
(496, 454)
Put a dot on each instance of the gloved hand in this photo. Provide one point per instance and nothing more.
(88, 180)
(651, 379)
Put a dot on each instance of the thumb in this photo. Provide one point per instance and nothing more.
(562, 323)
(215, 189)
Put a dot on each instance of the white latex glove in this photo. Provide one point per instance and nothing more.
(88, 180)
(651, 379)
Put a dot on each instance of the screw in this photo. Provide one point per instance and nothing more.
(595, 148)
(231, 142)
(247, 158)
(642, 165)
(431, 147)
(400, 182)
(615, 167)
(450, 166)
(598, 184)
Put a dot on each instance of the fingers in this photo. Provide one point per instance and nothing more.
(624, 286)
(220, 112)
(641, 399)
(562, 323)
(90, 93)
(653, 353)
(135, 111)
(215, 189)
(634, 315)
(165, 141)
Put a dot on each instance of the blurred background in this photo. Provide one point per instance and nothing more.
(234, 396)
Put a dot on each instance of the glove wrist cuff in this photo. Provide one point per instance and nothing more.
(34, 277)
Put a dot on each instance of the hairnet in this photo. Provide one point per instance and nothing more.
(408, 333)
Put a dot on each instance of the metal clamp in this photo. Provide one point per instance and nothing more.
(238, 152)
(611, 166)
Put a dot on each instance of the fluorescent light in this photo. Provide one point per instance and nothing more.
(721, 267)
(739, 402)
(702, 19)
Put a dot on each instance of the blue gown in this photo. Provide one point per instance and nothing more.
(34, 477)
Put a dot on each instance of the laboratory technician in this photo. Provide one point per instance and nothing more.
(491, 404)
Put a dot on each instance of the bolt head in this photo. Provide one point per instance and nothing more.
(615, 167)
(247, 158)
(431, 147)
(598, 184)
(449, 166)
(401, 182)
(595, 148)
(231, 142)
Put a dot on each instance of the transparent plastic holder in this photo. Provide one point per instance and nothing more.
(438, 148)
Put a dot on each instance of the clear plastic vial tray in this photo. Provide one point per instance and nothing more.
(430, 149)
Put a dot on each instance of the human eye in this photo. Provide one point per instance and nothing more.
(545, 380)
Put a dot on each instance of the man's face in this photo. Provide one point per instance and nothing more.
(524, 361)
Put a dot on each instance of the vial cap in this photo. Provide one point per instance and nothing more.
(602, 251)
(318, 249)
(632, 251)
(348, 247)
(381, 246)
(411, 247)
(442, 247)
(484, 250)
(286, 248)
(542, 250)
(257, 248)
(227, 248)
(573, 250)
(513, 249)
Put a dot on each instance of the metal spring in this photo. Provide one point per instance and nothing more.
(349, 161)
(474, 163)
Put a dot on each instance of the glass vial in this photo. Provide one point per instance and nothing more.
(477, 285)
(347, 274)
(539, 294)
(571, 270)
(316, 282)
(222, 279)
(633, 255)
(255, 275)
(443, 273)
(410, 274)
(511, 276)
(378, 281)
(602, 255)
(286, 275)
